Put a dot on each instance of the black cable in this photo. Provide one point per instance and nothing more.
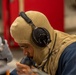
(49, 54)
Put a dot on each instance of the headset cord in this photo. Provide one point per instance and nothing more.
(49, 54)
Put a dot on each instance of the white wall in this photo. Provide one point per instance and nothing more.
(69, 17)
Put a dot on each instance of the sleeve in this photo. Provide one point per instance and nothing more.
(67, 62)
(14, 72)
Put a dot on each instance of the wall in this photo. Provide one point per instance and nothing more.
(70, 16)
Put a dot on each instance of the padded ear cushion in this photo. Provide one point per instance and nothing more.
(41, 37)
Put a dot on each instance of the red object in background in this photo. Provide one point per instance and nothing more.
(10, 12)
(53, 9)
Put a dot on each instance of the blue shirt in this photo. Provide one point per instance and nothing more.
(67, 62)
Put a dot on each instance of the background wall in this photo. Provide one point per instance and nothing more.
(70, 16)
(1, 23)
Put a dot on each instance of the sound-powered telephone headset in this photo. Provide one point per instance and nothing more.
(40, 36)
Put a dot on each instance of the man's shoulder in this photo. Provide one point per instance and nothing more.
(69, 51)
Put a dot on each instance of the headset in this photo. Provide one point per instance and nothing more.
(40, 36)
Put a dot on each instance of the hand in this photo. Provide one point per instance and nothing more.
(24, 69)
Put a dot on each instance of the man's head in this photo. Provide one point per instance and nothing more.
(23, 30)
(35, 25)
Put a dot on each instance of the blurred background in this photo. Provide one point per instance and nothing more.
(61, 14)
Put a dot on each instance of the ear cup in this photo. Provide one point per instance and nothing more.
(41, 37)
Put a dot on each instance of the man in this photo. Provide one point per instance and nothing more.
(5, 57)
(53, 51)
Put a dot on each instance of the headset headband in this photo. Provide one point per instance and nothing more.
(27, 19)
